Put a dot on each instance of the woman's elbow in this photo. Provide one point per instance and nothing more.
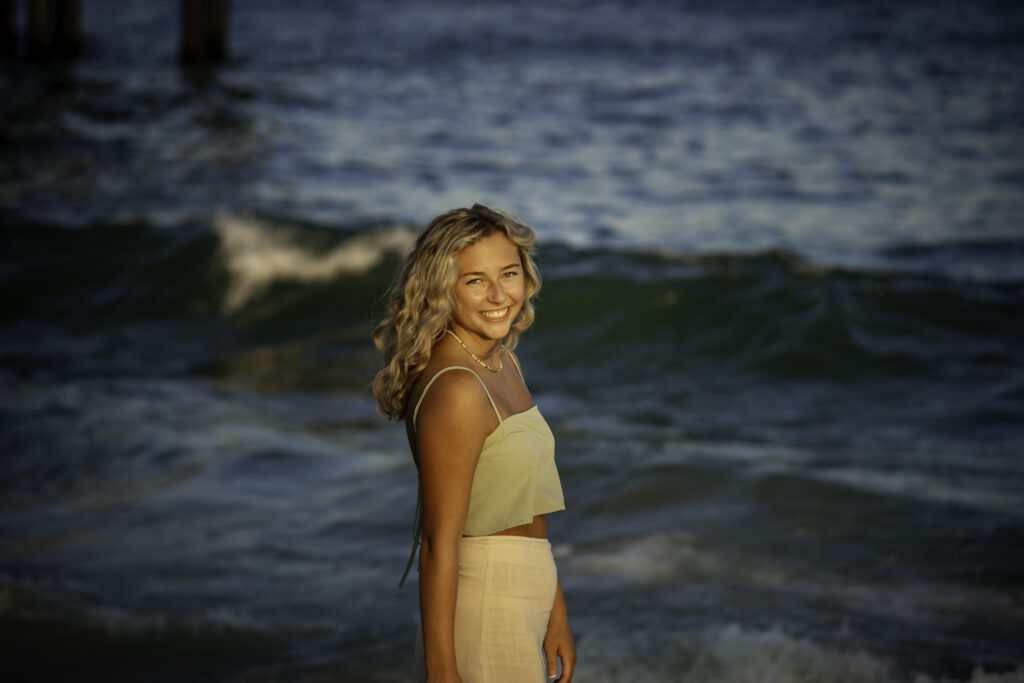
(439, 547)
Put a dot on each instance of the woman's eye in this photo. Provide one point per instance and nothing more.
(511, 273)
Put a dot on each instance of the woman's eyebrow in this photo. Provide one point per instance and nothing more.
(480, 272)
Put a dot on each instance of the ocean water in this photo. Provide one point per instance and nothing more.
(780, 340)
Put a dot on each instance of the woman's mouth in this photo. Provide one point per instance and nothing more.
(496, 316)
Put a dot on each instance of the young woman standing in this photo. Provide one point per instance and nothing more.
(491, 606)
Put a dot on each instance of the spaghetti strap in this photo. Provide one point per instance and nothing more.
(516, 363)
(416, 410)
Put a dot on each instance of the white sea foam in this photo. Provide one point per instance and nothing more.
(25, 605)
(733, 654)
(675, 557)
(970, 492)
(258, 253)
(985, 493)
(653, 559)
(116, 621)
(1002, 494)
(979, 675)
(726, 654)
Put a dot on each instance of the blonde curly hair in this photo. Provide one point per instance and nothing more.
(422, 298)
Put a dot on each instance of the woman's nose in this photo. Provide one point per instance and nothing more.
(496, 293)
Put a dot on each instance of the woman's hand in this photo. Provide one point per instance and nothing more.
(558, 641)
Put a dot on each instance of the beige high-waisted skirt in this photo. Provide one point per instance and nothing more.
(507, 586)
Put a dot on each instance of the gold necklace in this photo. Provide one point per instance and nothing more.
(475, 357)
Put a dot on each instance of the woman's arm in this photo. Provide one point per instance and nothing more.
(558, 641)
(453, 423)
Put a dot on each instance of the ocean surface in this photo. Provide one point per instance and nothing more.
(780, 340)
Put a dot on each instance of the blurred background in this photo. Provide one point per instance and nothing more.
(780, 340)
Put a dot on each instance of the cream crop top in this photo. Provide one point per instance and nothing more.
(515, 476)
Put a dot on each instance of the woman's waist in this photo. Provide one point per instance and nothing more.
(504, 541)
(536, 529)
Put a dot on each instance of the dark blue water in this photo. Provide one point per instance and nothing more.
(780, 340)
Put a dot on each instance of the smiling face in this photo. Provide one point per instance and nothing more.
(489, 292)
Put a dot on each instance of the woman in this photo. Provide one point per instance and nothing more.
(491, 607)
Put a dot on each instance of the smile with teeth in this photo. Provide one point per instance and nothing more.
(496, 315)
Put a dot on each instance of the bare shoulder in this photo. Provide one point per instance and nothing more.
(454, 397)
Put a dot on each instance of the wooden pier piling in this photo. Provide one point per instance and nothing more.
(8, 29)
(40, 29)
(54, 28)
(204, 31)
(67, 28)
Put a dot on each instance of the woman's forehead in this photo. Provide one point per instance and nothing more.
(494, 251)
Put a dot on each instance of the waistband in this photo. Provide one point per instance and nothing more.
(503, 540)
